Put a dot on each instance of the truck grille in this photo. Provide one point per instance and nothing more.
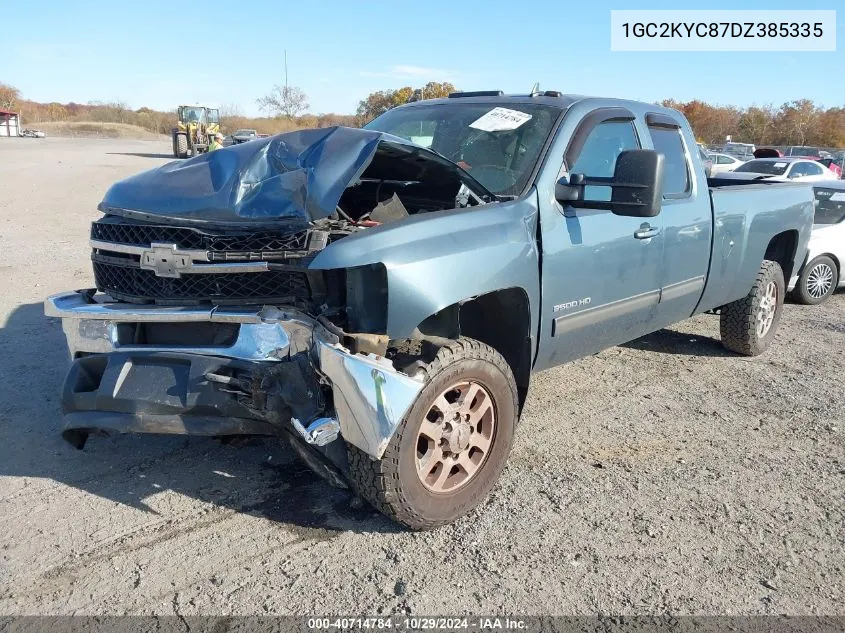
(123, 279)
(118, 270)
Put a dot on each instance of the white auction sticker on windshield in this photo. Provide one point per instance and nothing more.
(780, 164)
(838, 197)
(499, 120)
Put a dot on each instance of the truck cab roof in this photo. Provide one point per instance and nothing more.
(548, 98)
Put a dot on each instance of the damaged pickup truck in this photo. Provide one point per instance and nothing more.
(380, 297)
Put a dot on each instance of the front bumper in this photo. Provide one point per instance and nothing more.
(279, 372)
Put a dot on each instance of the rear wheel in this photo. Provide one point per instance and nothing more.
(817, 282)
(450, 450)
(748, 325)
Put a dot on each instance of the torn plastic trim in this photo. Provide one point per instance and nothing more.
(371, 397)
(299, 176)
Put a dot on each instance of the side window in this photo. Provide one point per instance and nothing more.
(598, 155)
(724, 160)
(813, 169)
(798, 169)
(602, 147)
(667, 141)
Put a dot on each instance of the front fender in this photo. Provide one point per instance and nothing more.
(436, 259)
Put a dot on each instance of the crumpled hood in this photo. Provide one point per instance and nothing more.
(299, 176)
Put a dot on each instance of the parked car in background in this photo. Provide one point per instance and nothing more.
(767, 152)
(742, 151)
(785, 168)
(814, 153)
(833, 165)
(723, 163)
(803, 151)
(244, 135)
(824, 269)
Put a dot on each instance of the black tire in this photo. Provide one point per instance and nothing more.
(739, 321)
(821, 270)
(392, 485)
(180, 146)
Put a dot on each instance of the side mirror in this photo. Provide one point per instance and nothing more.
(636, 186)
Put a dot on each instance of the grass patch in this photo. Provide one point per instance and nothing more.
(94, 129)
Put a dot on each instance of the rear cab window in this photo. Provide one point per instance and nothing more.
(668, 140)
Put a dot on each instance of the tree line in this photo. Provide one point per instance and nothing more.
(800, 122)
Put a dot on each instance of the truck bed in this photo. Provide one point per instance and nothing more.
(746, 216)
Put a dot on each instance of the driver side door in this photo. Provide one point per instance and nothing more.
(601, 272)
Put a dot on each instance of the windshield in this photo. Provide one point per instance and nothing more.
(498, 146)
(193, 115)
(770, 167)
(245, 133)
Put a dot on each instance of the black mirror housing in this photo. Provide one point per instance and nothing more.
(638, 183)
(636, 186)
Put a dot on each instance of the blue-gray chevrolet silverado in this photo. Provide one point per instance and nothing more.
(380, 297)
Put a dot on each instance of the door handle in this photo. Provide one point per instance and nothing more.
(646, 231)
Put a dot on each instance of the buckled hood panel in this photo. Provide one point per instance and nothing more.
(297, 177)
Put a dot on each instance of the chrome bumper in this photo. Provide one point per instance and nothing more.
(370, 397)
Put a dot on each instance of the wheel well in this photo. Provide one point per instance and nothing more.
(781, 249)
(501, 319)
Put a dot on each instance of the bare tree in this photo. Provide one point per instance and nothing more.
(230, 110)
(288, 101)
(9, 97)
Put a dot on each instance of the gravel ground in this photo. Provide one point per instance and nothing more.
(663, 475)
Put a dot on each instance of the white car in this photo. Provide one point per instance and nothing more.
(824, 269)
(784, 168)
(723, 163)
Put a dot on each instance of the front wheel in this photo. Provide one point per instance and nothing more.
(180, 146)
(451, 448)
(817, 282)
(748, 325)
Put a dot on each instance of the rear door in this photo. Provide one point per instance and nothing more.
(600, 272)
(687, 220)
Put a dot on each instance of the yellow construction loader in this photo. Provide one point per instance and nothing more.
(197, 125)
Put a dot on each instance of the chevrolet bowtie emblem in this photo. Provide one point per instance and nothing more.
(166, 260)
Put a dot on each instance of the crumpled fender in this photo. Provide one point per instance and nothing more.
(436, 259)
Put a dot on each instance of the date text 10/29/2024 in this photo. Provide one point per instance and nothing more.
(405, 623)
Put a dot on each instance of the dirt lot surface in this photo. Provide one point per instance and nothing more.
(663, 475)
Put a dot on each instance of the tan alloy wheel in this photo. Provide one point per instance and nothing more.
(768, 309)
(455, 437)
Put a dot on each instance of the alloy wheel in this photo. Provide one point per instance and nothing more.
(767, 310)
(819, 281)
(455, 437)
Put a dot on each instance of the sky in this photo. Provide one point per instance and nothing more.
(162, 54)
